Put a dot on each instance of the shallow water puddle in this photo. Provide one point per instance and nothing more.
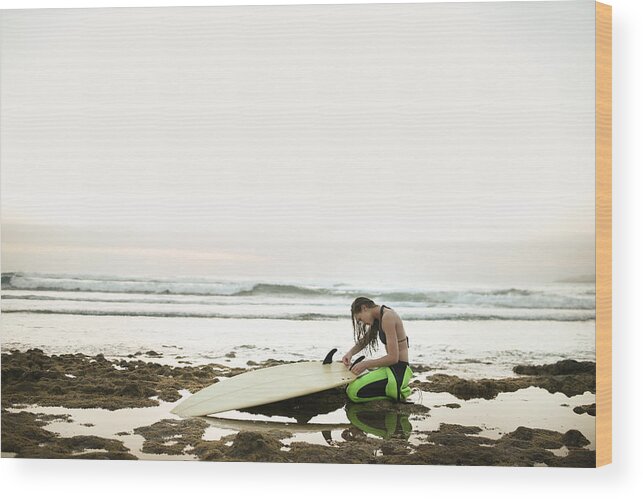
(118, 424)
(530, 407)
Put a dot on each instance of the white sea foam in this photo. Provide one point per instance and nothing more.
(122, 290)
(105, 295)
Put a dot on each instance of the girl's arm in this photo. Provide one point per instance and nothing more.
(346, 359)
(393, 355)
(357, 348)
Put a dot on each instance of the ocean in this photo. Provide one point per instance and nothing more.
(470, 331)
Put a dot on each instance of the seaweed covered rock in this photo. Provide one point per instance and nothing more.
(172, 436)
(569, 377)
(586, 409)
(81, 381)
(256, 446)
(24, 435)
(562, 367)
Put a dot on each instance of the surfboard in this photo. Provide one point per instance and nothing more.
(263, 386)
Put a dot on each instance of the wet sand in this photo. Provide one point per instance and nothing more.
(93, 407)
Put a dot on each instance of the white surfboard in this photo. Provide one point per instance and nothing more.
(263, 386)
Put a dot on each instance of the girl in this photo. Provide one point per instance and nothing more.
(391, 378)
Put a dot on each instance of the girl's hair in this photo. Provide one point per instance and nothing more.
(364, 338)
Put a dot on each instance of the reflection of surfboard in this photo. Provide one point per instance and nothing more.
(263, 386)
(254, 425)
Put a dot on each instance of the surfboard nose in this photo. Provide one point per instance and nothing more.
(182, 411)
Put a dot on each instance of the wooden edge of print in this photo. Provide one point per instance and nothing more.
(603, 234)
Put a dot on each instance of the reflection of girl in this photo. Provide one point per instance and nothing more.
(381, 423)
(391, 373)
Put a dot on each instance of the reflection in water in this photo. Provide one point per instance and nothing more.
(383, 423)
(266, 426)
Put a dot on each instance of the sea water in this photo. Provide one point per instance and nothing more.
(470, 331)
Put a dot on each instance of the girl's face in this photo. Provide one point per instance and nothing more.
(364, 317)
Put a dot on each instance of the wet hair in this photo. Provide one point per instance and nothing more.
(364, 338)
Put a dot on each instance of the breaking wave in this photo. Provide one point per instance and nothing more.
(495, 298)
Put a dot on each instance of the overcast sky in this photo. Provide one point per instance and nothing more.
(436, 141)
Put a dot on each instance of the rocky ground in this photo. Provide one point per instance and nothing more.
(567, 376)
(80, 381)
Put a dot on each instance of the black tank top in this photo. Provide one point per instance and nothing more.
(382, 334)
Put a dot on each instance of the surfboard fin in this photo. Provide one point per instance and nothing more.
(359, 359)
(329, 356)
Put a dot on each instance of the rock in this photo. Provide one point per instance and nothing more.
(522, 433)
(356, 452)
(577, 378)
(171, 436)
(56, 390)
(34, 378)
(456, 428)
(211, 451)
(255, 446)
(533, 438)
(586, 409)
(574, 438)
(577, 458)
(395, 447)
(563, 367)
(22, 433)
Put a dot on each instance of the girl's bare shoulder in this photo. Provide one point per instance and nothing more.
(394, 314)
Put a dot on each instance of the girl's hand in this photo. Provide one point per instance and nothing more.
(360, 367)
(346, 359)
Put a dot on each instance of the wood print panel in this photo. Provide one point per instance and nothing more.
(603, 234)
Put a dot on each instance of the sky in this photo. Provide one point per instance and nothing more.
(374, 143)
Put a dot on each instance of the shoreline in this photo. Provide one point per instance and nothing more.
(73, 405)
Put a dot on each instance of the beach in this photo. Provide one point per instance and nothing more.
(501, 376)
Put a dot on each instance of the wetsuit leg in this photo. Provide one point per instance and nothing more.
(382, 383)
(402, 374)
(369, 386)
